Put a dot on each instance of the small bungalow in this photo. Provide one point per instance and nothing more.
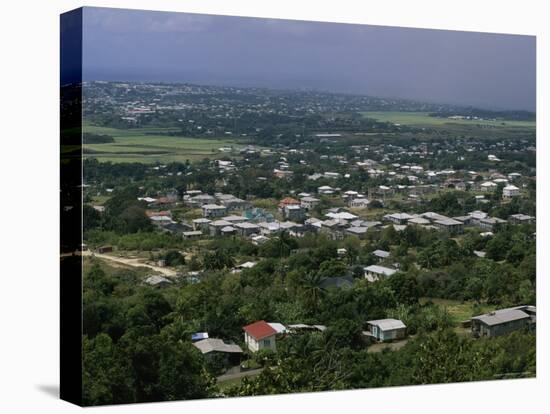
(359, 202)
(386, 329)
(398, 218)
(521, 219)
(510, 191)
(195, 234)
(309, 202)
(216, 227)
(450, 225)
(201, 224)
(158, 281)
(294, 212)
(287, 201)
(375, 272)
(260, 335)
(381, 254)
(360, 232)
(214, 348)
(246, 229)
(503, 321)
(213, 210)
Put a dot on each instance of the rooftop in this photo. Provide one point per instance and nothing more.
(216, 345)
(387, 324)
(259, 330)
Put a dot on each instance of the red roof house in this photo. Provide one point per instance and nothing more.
(259, 335)
(287, 202)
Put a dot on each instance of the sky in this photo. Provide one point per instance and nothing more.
(493, 71)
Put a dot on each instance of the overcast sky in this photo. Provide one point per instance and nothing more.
(486, 70)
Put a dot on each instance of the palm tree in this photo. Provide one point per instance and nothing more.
(312, 289)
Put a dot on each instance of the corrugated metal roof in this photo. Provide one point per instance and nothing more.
(259, 330)
(502, 316)
(216, 345)
(387, 324)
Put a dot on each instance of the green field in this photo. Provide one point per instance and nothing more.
(423, 119)
(148, 145)
(458, 311)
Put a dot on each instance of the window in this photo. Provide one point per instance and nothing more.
(267, 342)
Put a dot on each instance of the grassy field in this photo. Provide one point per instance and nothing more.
(423, 119)
(148, 145)
(459, 311)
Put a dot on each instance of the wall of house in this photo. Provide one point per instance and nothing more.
(255, 346)
(505, 328)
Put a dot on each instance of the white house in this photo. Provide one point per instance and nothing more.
(260, 335)
(510, 191)
(387, 329)
(488, 186)
(308, 202)
(213, 210)
(360, 202)
(375, 272)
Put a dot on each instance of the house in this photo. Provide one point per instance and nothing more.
(341, 215)
(375, 272)
(503, 321)
(326, 190)
(195, 234)
(477, 216)
(260, 335)
(510, 191)
(309, 203)
(521, 219)
(360, 202)
(158, 281)
(294, 212)
(227, 354)
(201, 224)
(200, 200)
(247, 229)
(105, 249)
(488, 186)
(333, 228)
(259, 240)
(384, 330)
(381, 254)
(228, 231)
(419, 221)
(232, 203)
(360, 232)
(450, 225)
(491, 223)
(213, 210)
(287, 201)
(216, 227)
(234, 219)
(161, 220)
(241, 267)
(398, 218)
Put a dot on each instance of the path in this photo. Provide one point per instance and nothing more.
(238, 375)
(131, 262)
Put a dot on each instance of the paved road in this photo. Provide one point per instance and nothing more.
(131, 262)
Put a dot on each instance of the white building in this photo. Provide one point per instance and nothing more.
(213, 210)
(375, 272)
(260, 335)
(510, 191)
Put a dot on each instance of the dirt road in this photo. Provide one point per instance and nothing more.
(131, 262)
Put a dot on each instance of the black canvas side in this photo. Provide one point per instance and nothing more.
(71, 207)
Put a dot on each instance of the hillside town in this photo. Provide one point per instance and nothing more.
(368, 240)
